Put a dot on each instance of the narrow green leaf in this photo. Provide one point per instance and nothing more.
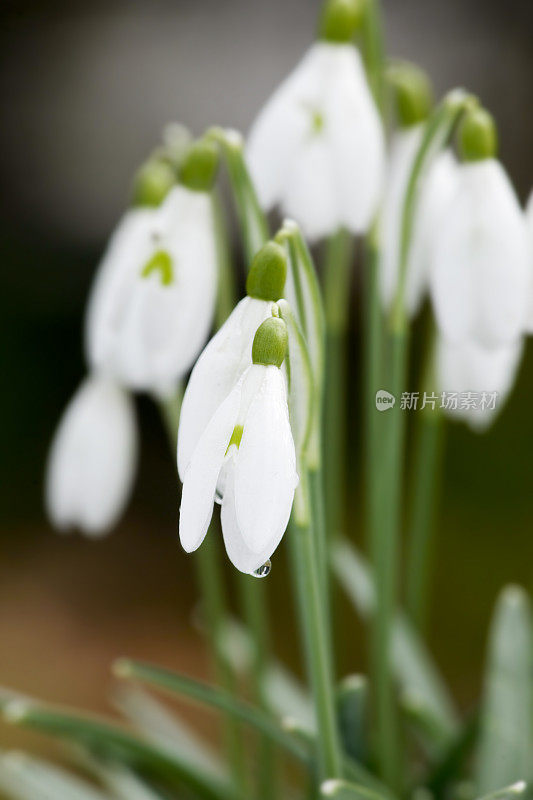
(413, 666)
(202, 693)
(122, 782)
(342, 790)
(352, 707)
(27, 778)
(506, 738)
(449, 766)
(112, 742)
(165, 729)
(517, 790)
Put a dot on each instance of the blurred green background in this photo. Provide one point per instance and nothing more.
(86, 88)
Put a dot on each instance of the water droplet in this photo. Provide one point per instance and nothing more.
(263, 570)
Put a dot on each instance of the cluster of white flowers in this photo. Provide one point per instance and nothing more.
(318, 151)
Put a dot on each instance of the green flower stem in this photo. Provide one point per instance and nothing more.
(207, 562)
(255, 234)
(373, 50)
(337, 280)
(253, 222)
(315, 630)
(438, 130)
(425, 481)
(227, 291)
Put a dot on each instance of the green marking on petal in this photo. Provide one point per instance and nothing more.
(317, 121)
(160, 262)
(236, 437)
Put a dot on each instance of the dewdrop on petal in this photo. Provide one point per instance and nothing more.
(247, 453)
(93, 458)
(317, 148)
(480, 270)
(153, 302)
(229, 353)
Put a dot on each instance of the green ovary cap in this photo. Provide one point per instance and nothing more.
(478, 137)
(199, 167)
(413, 93)
(270, 343)
(266, 279)
(152, 183)
(340, 20)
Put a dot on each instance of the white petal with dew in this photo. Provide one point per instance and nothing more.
(265, 468)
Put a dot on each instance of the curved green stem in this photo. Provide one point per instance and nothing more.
(425, 482)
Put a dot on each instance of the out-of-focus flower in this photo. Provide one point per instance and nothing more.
(153, 301)
(480, 379)
(413, 95)
(246, 458)
(529, 223)
(93, 458)
(229, 352)
(317, 146)
(480, 268)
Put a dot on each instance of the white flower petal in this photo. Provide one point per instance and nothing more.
(216, 372)
(480, 273)
(471, 368)
(201, 476)
(265, 469)
(239, 553)
(93, 458)
(355, 135)
(279, 129)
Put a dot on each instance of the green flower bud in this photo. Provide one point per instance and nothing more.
(152, 182)
(266, 279)
(478, 137)
(412, 91)
(199, 167)
(340, 20)
(270, 342)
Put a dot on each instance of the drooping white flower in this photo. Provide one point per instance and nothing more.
(317, 148)
(481, 378)
(92, 459)
(229, 353)
(153, 301)
(434, 197)
(480, 271)
(246, 459)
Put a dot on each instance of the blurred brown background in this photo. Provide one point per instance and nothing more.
(86, 87)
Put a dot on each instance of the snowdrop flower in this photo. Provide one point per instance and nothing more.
(228, 354)
(92, 459)
(413, 96)
(317, 146)
(469, 368)
(246, 456)
(153, 301)
(480, 270)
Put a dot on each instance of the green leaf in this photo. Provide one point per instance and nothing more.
(506, 739)
(112, 742)
(352, 707)
(165, 729)
(25, 778)
(449, 766)
(517, 790)
(413, 666)
(202, 693)
(122, 782)
(342, 790)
